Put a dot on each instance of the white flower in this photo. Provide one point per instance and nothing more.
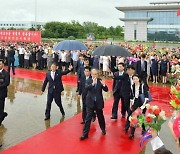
(151, 115)
(130, 118)
(155, 107)
(148, 106)
(162, 115)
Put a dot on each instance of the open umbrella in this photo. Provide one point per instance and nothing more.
(111, 50)
(69, 45)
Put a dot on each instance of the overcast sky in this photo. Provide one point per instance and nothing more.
(102, 12)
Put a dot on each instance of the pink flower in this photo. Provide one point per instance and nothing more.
(137, 112)
(134, 122)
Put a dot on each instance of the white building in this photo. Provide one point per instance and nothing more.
(21, 24)
(158, 21)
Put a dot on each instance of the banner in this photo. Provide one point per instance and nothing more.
(20, 36)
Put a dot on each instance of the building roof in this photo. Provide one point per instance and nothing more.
(165, 2)
(149, 8)
(136, 19)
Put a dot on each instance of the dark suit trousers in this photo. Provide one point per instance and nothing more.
(21, 60)
(143, 77)
(117, 98)
(40, 63)
(57, 98)
(126, 104)
(84, 112)
(2, 113)
(90, 113)
(11, 64)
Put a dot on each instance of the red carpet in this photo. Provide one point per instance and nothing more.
(64, 138)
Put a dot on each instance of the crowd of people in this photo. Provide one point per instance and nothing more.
(130, 77)
(159, 62)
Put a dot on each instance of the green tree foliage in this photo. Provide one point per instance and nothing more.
(76, 30)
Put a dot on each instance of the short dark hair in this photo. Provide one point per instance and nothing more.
(143, 55)
(87, 68)
(1, 60)
(121, 64)
(130, 67)
(162, 150)
(54, 64)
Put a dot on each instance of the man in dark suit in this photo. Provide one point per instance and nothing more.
(117, 84)
(127, 82)
(94, 102)
(11, 59)
(142, 69)
(83, 91)
(55, 88)
(4, 83)
(80, 72)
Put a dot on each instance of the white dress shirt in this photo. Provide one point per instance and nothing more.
(53, 75)
(1, 70)
(137, 91)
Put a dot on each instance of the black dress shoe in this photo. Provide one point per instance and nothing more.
(103, 132)
(113, 117)
(131, 136)
(82, 122)
(47, 118)
(83, 137)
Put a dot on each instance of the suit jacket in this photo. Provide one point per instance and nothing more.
(138, 69)
(10, 55)
(82, 89)
(126, 86)
(95, 92)
(117, 83)
(55, 84)
(80, 72)
(4, 83)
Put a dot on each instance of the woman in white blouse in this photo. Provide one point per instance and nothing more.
(135, 102)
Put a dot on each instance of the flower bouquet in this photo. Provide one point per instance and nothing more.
(154, 118)
(172, 77)
(175, 97)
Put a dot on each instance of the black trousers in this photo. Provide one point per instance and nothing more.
(100, 116)
(126, 104)
(57, 98)
(40, 63)
(143, 77)
(21, 60)
(84, 112)
(11, 64)
(117, 98)
(2, 113)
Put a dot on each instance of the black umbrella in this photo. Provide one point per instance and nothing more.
(111, 50)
